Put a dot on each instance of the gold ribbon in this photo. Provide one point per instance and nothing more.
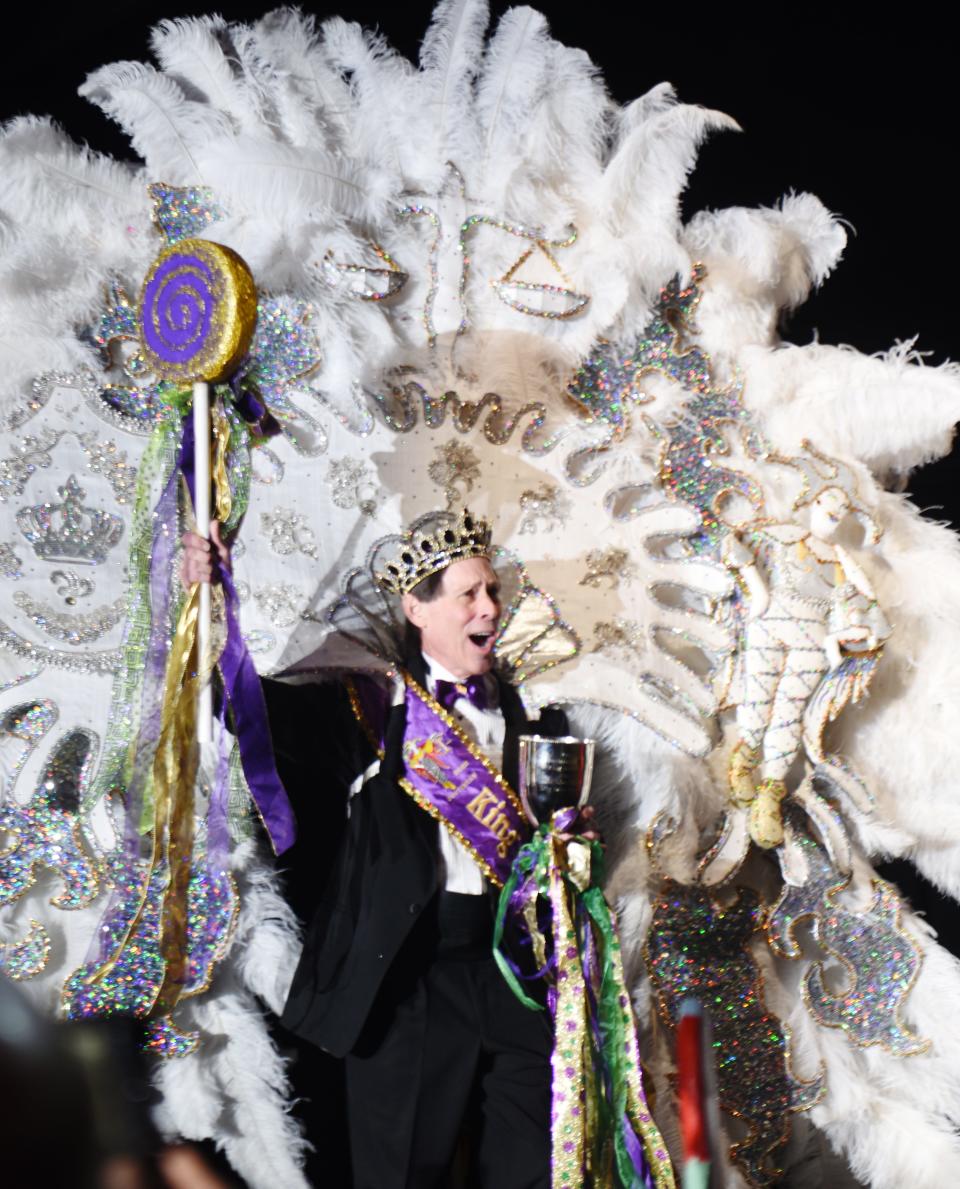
(576, 1104)
(174, 771)
(638, 1101)
(572, 1088)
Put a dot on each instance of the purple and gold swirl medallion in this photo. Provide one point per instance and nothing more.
(197, 311)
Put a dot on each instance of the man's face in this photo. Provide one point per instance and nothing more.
(459, 625)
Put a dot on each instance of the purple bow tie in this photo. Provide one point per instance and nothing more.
(474, 689)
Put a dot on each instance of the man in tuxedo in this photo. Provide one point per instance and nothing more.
(397, 974)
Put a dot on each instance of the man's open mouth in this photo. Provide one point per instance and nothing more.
(482, 639)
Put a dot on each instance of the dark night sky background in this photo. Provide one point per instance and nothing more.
(859, 114)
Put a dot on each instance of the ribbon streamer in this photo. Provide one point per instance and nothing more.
(601, 1126)
(241, 683)
(165, 808)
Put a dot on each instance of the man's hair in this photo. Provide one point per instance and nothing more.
(425, 591)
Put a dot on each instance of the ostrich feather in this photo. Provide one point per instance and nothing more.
(562, 138)
(912, 773)
(164, 126)
(449, 62)
(198, 53)
(236, 1091)
(786, 249)
(279, 182)
(889, 411)
(235, 1087)
(649, 168)
(268, 937)
(656, 146)
(312, 97)
(387, 121)
(760, 262)
(46, 176)
(513, 78)
(70, 215)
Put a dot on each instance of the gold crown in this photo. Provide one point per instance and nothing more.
(432, 543)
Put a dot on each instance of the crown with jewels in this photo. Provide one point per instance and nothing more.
(431, 543)
(70, 531)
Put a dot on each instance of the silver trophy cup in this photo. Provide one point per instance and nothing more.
(554, 774)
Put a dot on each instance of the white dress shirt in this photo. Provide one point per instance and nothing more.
(486, 728)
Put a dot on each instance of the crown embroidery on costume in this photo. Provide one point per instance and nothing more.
(432, 543)
(70, 531)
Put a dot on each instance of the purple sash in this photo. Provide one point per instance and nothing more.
(449, 777)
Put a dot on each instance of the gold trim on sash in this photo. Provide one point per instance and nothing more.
(475, 753)
(447, 719)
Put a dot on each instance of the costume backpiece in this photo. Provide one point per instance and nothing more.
(475, 287)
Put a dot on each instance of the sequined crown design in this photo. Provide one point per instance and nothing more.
(70, 531)
(432, 543)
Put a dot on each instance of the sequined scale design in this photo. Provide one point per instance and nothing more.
(699, 949)
(28, 956)
(45, 831)
(608, 386)
(880, 960)
(608, 383)
(129, 984)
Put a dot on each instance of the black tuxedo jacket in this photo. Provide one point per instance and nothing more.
(365, 881)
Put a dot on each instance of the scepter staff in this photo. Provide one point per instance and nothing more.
(197, 316)
(201, 511)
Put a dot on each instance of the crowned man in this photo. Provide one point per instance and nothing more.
(397, 974)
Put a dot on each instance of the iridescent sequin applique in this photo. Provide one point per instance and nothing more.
(45, 830)
(130, 984)
(27, 957)
(881, 962)
(699, 949)
(608, 385)
(183, 211)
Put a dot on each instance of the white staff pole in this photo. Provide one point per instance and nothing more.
(201, 470)
(187, 278)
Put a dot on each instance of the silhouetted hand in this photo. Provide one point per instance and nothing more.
(198, 556)
(580, 827)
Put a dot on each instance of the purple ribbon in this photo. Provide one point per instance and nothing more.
(185, 459)
(241, 685)
(249, 405)
(636, 1153)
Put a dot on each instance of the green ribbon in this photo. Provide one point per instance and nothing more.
(532, 862)
(620, 1144)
